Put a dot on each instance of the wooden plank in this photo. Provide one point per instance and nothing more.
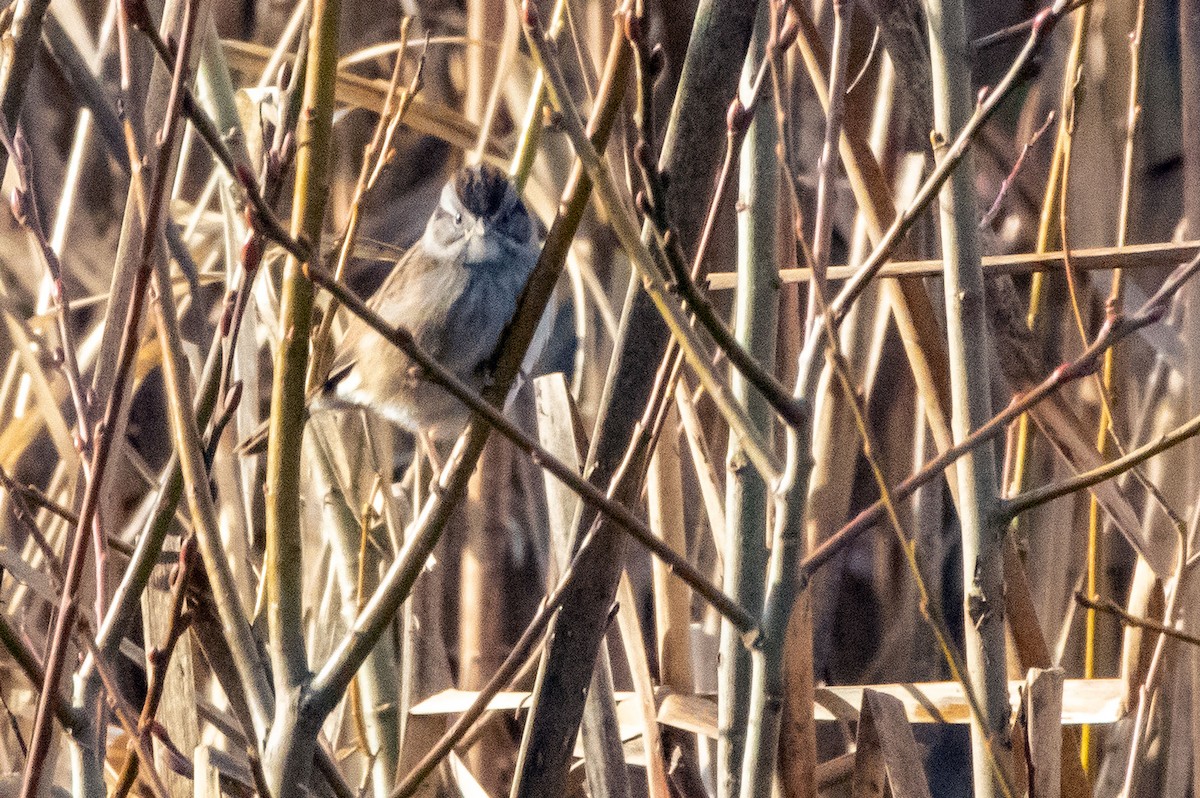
(886, 747)
(1043, 727)
(1094, 701)
(1137, 256)
(1084, 701)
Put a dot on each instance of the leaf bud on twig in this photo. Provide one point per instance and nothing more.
(737, 119)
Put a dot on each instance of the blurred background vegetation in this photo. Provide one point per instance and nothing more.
(178, 615)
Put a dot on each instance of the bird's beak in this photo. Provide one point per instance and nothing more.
(481, 247)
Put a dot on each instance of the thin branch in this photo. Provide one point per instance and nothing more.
(1116, 327)
(1011, 177)
(1036, 497)
(25, 209)
(489, 415)
(103, 436)
(627, 233)
(1013, 31)
(1112, 608)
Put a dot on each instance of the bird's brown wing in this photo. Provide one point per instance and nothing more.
(346, 355)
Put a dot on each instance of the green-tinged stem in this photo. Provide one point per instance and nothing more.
(395, 586)
(531, 133)
(970, 395)
(653, 282)
(289, 752)
(756, 311)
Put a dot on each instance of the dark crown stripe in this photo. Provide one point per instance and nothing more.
(481, 189)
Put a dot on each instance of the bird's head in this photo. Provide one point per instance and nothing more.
(480, 219)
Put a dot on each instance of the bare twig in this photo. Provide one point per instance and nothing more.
(492, 417)
(103, 435)
(1116, 327)
(1112, 608)
(627, 233)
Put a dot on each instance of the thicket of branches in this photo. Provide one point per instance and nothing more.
(859, 456)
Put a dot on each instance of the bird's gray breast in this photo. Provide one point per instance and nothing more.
(477, 318)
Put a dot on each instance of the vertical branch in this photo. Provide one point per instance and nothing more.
(970, 394)
(756, 310)
(767, 689)
(1046, 234)
(106, 428)
(836, 108)
(1115, 298)
(290, 748)
(17, 68)
(691, 155)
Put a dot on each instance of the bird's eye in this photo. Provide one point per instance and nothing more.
(458, 220)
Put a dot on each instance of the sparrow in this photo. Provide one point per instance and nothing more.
(456, 290)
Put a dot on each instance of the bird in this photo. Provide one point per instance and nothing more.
(456, 290)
